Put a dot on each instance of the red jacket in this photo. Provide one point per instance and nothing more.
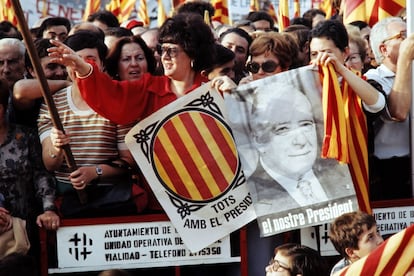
(128, 101)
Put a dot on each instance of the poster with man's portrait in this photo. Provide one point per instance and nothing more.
(278, 127)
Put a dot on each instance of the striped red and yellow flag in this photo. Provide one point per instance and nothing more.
(354, 10)
(284, 20)
(296, 8)
(393, 257)
(221, 13)
(345, 132)
(371, 11)
(143, 12)
(127, 6)
(384, 8)
(328, 7)
(92, 6)
(272, 12)
(7, 12)
(195, 156)
(162, 16)
(254, 5)
(114, 7)
(176, 3)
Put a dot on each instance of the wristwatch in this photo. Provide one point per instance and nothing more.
(99, 171)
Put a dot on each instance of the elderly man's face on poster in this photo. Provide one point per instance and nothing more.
(286, 140)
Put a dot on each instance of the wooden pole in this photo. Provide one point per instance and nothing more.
(45, 88)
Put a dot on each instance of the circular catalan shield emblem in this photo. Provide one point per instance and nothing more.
(194, 155)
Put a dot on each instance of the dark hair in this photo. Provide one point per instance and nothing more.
(195, 37)
(198, 7)
(114, 55)
(239, 32)
(311, 13)
(347, 228)
(360, 24)
(41, 46)
(7, 29)
(300, 21)
(118, 32)
(223, 55)
(104, 16)
(305, 260)
(333, 30)
(53, 21)
(87, 39)
(301, 32)
(260, 15)
(4, 93)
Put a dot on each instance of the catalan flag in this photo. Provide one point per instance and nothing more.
(127, 6)
(272, 13)
(345, 132)
(393, 257)
(7, 12)
(115, 7)
(254, 5)
(296, 8)
(388, 8)
(284, 20)
(221, 13)
(143, 12)
(92, 6)
(176, 3)
(371, 11)
(195, 156)
(328, 7)
(122, 9)
(162, 16)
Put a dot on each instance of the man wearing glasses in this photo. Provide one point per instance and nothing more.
(285, 136)
(390, 166)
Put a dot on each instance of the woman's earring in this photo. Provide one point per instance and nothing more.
(192, 63)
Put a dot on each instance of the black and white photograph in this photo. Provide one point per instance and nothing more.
(280, 144)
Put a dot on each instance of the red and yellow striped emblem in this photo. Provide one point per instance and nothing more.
(194, 155)
(393, 257)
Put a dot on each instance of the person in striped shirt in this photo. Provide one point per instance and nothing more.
(94, 140)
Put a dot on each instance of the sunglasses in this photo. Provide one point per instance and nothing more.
(267, 66)
(172, 52)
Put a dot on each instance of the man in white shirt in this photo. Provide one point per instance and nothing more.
(390, 166)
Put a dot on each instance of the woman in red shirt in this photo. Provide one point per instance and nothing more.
(187, 47)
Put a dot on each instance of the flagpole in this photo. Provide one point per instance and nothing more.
(54, 115)
(410, 28)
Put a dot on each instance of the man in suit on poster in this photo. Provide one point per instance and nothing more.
(285, 135)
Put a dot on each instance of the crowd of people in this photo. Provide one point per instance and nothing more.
(100, 68)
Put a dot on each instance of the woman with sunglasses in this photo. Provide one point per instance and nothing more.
(292, 259)
(187, 47)
(270, 53)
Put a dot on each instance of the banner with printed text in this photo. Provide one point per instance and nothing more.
(188, 156)
(278, 127)
(131, 245)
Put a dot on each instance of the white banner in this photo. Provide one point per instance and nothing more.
(278, 126)
(134, 245)
(188, 156)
